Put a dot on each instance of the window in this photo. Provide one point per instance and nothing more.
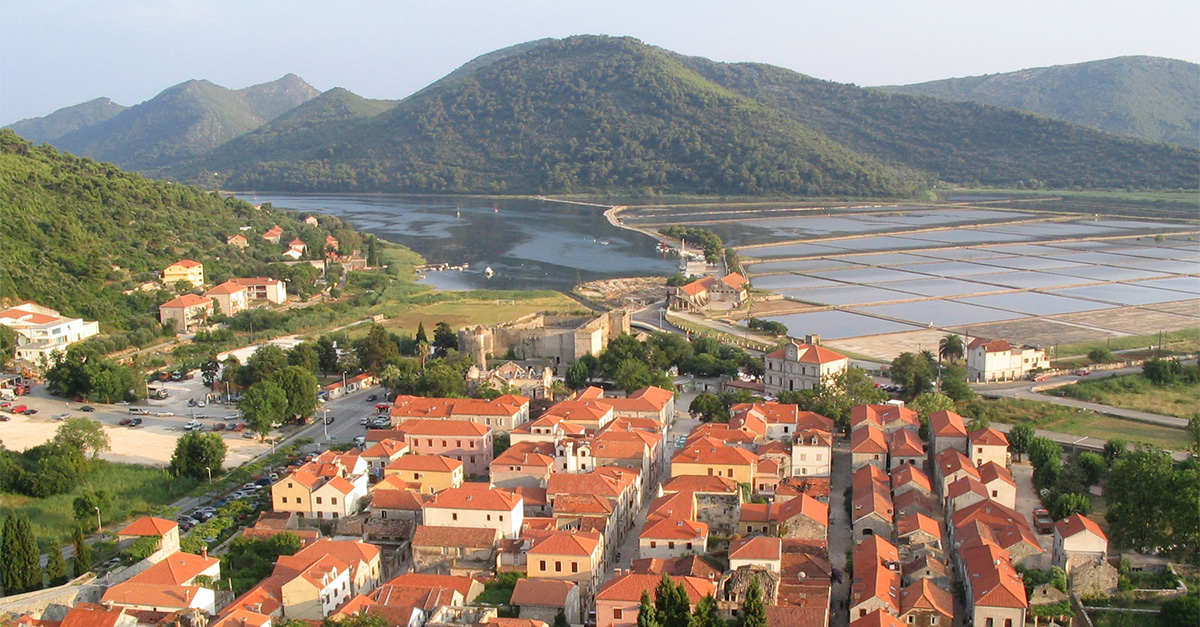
(501, 517)
(804, 457)
(557, 566)
(444, 445)
(991, 622)
(333, 500)
(912, 619)
(689, 546)
(289, 484)
(335, 514)
(933, 620)
(454, 516)
(574, 567)
(542, 565)
(283, 499)
(429, 442)
(995, 493)
(670, 545)
(862, 613)
(318, 500)
(730, 470)
(458, 443)
(617, 613)
(653, 544)
(1008, 622)
(489, 516)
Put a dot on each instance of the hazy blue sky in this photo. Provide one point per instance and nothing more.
(55, 53)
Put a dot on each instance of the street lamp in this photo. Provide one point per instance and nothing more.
(325, 425)
(209, 473)
(99, 527)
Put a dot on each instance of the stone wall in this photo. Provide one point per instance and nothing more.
(35, 603)
(563, 339)
(719, 511)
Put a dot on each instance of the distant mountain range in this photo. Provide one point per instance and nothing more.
(1146, 97)
(612, 115)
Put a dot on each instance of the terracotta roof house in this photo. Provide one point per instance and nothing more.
(617, 601)
(946, 430)
(167, 532)
(877, 618)
(995, 592)
(712, 457)
(756, 551)
(273, 234)
(801, 366)
(380, 454)
(950, 466)
(575, 556)
(185, 312)
(589, 414)
(964, 492)
(792, 487)
(917, 530)
(927, 566)
(801, 518)
(159, 597)
(923, 603)
(1078, 540)
(1001, 486)
(465, 441)
(263, 288)
(812, 453)
(868, 445)
(524, 464)
(476, 505)
(910, 477)
(180, 569)
(184, 270)
(873, 514)
(905, 449)
(466, 551)
(503, 414)
(672, 536)
(229, 298)
(988, 445)
(888, 418)
(997, 360)
(781, 420)
(237, 239)
(913, 502)
(544, 598)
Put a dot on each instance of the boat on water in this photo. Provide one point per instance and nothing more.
(488, 272)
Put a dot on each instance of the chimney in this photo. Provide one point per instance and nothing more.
(815, 340)
(204, 551)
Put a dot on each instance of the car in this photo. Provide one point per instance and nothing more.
(87, 408)
(249, 435)
(4, 418)
(238, 426)
(138, 411)
(263, 482)
(164, 414)
(249, 486)
(364, 420)
(1083, 373)
(191, 402)
(5, 405)
(121, 403)
(193, 425)
(125, 421)
(30, 412)
(19, 409)
(187, 520)
(111, 563)
(371, 398)
(201, 403)
(80, 399)
(1042, 521)
(202, 516)
(329, 420)
(234, 416)
(360, 440)
(135, 422)
(220, 426)
(274, 476)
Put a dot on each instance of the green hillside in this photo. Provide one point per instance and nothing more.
(1145, 97)
(579, 115)
(79, 233)
(66, 120)
(960, 142)
(184, 121)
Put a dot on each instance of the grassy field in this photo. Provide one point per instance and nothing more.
(1123, 619)
(1053, 417)
(135, 490)
(1182, 341)
(1133, 391)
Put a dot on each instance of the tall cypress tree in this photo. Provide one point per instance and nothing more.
(19, 556)
(647, 613)
(754, 612)
(706, 613)
(671, 604)
(56, 566)
(83, 553)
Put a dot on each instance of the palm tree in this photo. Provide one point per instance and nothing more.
(559, 389)
(951, 348)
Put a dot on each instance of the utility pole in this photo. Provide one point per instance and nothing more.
(99, 527)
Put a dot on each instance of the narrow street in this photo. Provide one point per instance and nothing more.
(840, 532)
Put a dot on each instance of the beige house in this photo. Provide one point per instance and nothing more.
(710, 457)
(428, 474)
(619, 597)
(317, 590)
(186, 312)
(167, 532)
(379, 455)
(1001, 487)
(801, 366)
(988, 445)
(325, 491)
(477, 505)
(263, 288)
(997, 360)
(229, 298)
(995, 592)
(238, 240)
(575, 556)
(184, 270)
(760, 551)
(672, 536)
(1078, 540)
(812, 453)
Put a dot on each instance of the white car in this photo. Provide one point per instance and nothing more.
(233, 417)
(193, 425)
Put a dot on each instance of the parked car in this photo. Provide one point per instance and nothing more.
(121, 403)
(220, 426)
(1042, 521)
(191, 402)
(4, 418)
(133, 422)
(87, 408)
(371, 398)
(364, 420)
(19, 409)
(125, 421)
(193, 425)
(250, 486)
(329, 420)
(5, 405)
(249, 435)
(30, 412)
(238, 427)
(360, 440)
(202, 516)
(138, 411)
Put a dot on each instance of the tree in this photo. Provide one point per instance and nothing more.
(208, 372)
(709, 407)
(1149, 507)
(327, 356)
(300, 388)
(754, 612)
(375, 349)
(954, 384)
(85, 505)
(56, 565)
(306, 356)
(1100, 355)
(1193, 431)
(420, 337)
(834, 397)
(928, 402)
(1182, 610)
(912, 371)
(558, 389)
(231, 371)
(950, 348)
(83, 553)
(1042, 450)
(20, 560)
(560, 619)
(263, 406)
(1113, 449)
(706, 613)
(1066, 504)
(444, 339)
(84, 435)
(1020, 436)
(621, 349)
(196, 454)
(578, 376)
(1092, 465)
(632, 375)
(441, 381)
(647, 613)
(671, 604)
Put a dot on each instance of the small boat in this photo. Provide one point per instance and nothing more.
(488, 272)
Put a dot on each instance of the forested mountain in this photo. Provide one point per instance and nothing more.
(584, 114)
(601, 114)
(79, 233)
(51, 127)
(1146, 97)
(959, 142)
(184, 121)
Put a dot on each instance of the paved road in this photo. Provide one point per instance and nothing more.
(840, 531)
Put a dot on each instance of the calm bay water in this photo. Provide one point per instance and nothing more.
(529, 244)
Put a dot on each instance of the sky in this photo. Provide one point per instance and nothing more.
(57, 53)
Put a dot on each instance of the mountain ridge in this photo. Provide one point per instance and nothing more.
(1152, 98)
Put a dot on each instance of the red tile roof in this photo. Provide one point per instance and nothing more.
(952, 460)
(994, 581)
(713, 452)
(792, 616)
(989, 346)
(444, 428)
(425, 463)
(987, 437)
(912, 523)
(868, 441)
(465, 537)
(187, 300)
(803, 505)
(922, 595)
(756, 548)
(905, 443)
(674, 528)
(878, 618)
(148, 526)
(883, 416)
(177, 569)
(151, 594)
(992, 471)
(406, 500)
(629, 587)
(809, 353)
(1078, 523)
(421, 407)
(228, 287)
(910, 474)
(543, 592)
(947, 424)
(579, 543)
(92, 615)
(186, 263)
(476, 498)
